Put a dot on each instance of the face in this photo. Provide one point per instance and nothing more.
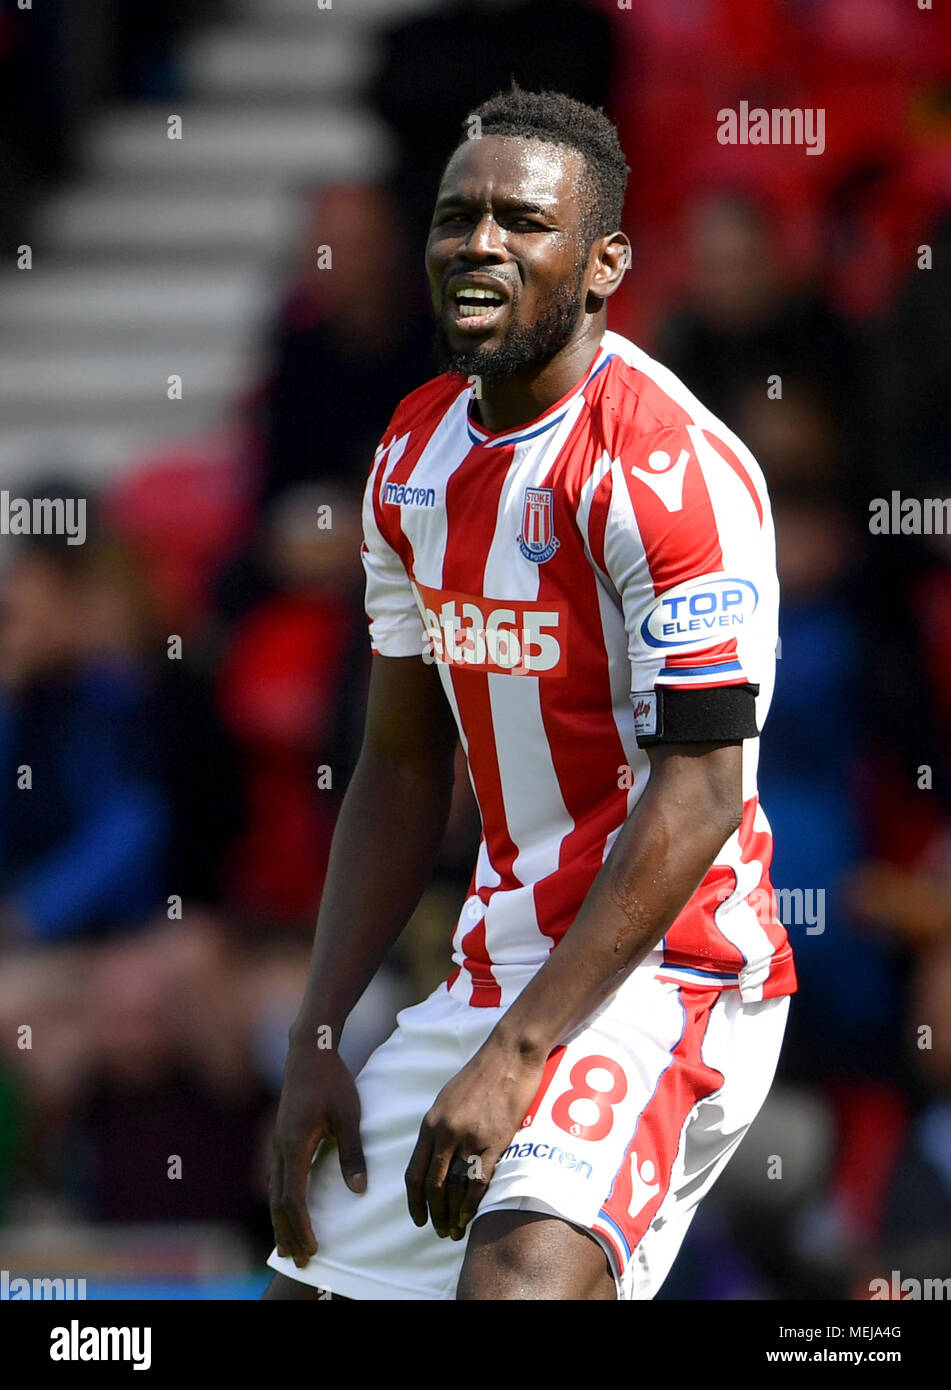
(40, 623)
(506, 259)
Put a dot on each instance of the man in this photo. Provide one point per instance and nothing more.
(570, 567)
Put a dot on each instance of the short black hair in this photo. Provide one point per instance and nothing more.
(557, 119)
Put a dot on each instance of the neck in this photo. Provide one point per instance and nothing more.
(506, 404)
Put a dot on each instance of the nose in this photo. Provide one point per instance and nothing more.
(484, 242)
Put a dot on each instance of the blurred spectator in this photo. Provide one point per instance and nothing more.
(291, 688)
(146, 40)
(797, 440)
(186, 508)
(739, 323)
(916, 1220)
(913, 382)
(158, 1059)
(353, 338)
(170, 1120)
(58, 62)
(810, 775)
(143, 1050)
(84, 820)
(434, 68)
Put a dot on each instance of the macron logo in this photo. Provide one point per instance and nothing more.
(402, 495)
(75, 1343)
(665, 477)
(643, 1186)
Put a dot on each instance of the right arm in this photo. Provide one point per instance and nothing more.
(384, 848)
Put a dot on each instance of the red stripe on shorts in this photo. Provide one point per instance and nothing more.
(643, 1179)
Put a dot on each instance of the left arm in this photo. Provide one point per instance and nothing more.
(691, 805)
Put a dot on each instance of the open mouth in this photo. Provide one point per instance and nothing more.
(476, 308)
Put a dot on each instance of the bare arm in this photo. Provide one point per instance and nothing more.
(386, 838)
(385, 843)
(690, 807)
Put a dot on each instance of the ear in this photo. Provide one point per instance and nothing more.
(610, 258)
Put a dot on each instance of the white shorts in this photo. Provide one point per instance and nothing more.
(637, 1115)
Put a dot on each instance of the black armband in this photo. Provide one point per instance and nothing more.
(679, 714)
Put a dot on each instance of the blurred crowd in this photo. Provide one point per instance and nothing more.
(181, 697)
(59, 61)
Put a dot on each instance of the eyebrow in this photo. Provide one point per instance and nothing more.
(502, 204)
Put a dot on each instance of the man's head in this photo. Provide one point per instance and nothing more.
(525, 244)
(41, 619)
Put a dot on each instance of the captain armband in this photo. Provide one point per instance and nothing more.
(681, 714)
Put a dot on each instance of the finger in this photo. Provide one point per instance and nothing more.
(292, 1203)
(274, 1185)
(437, 1198)
(283, 1234)
(457, 1184)
(416, 1171)
(475, 1191)
(289, 1245)
(353, 1165)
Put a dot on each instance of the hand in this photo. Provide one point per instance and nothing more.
(319, 1100)
(467, 1128)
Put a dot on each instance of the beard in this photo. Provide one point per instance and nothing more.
(523, 348)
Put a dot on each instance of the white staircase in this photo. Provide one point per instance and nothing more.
(166, 257)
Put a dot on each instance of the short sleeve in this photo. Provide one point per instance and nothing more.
(396, 627)
(688, 543)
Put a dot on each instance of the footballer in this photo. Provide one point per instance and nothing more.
(570, 569)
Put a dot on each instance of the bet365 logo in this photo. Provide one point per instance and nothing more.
(515, 639)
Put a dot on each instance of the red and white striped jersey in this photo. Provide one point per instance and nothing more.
(558, 574)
